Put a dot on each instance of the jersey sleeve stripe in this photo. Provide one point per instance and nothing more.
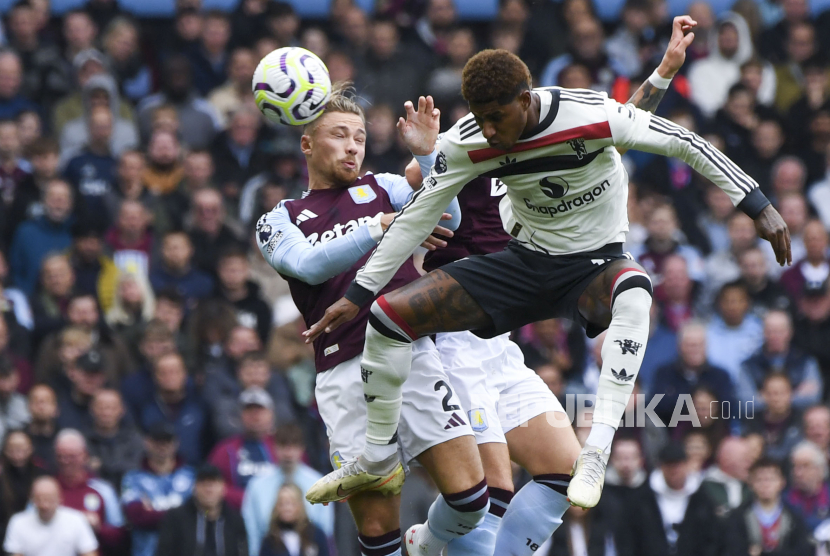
(599, 130)
(738, 173)
(741, 184)
(471, 132)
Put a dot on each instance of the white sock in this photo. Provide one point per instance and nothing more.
(533, 515)
(481, 541)
(452, 516)
(622, 355)
(385, 366)
(601, 435)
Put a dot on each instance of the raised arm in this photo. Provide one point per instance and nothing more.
(653, 89)
(633, 128)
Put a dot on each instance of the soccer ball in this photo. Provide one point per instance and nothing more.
(291, 86)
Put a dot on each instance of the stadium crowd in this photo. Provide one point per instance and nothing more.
(152, 373)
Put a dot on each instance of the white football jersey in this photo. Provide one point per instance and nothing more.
(567, 189)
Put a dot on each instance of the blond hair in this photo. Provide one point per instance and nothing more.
(343, 100)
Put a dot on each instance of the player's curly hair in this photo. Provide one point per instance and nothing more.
(343, 99)
(494, 75)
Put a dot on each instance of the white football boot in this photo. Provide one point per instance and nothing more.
(588, 476)
(355, 476)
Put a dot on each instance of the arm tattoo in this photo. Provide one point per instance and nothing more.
(647, 97)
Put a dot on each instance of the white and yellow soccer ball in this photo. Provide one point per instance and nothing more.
(291, 86)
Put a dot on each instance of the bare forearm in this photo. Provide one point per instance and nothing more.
(647, 97)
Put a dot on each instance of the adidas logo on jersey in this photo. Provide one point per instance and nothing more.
(455, 421)
(305, 215)
(622, 375)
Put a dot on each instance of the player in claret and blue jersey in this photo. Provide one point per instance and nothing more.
(318, 243)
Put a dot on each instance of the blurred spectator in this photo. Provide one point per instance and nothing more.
(722, 490)
(816, 427)
(12, 102)
(587, 48)
(711, 78)
(92, 170)
(435, 26)
(382, 151)
(789, 175)
(15, 354)
(35, 238)
(14, 171)
(626, 469)
(252, 370)
(390, 73)
(130, 186)
(115, 446)
(131, 239)
(63, 530)
(100, 91)
(777, 355)
(713, 221)
(766, 294)
(209, 60)
(20, 468)
(199, 121)
(290, 527)
(554, 341)
(766, 525)
(197, 173)
(121, 44)
(689, 371)
(176, 402)
(778, 423)
(795, 213)
(444, 83)
(248, 22)
(82, 310)
(204, 524)
(627, 44)
(819, 193)
(251, 453)
(664, 240)
(163, 171)
(175, 270)
(582, 530)
(283, 22)
(767, 144)
(79, 33)
(235, 287)
(676, 293)
(736, 121)
(133, 307)
(86, 378)
(156, 340)
(85, 64)
(800, 46)
(722, 266)
(261, 492)
(95, 498)
(239, 152)
(51, 302)
(210, 232)
(14, 413)
(26, 202)
(734, 334)
(95, 272)
(809, 492)
(46, 77)
(162, 483)
(662, 348)
(814, 269)
(661, 503)
(42, 429)
(236, 91)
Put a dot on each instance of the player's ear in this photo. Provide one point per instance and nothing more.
(305, 144)
(525, 99)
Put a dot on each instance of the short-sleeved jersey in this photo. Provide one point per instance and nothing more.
(567, 189)
(480, 231)
(322, 215)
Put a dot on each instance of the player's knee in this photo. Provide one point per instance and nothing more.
(470, 506)
(632, 296)
(388, 323)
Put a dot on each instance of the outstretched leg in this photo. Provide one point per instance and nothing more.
(623, 289)
(433, 303)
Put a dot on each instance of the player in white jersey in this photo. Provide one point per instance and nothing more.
(566, 210)
(514, 415)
